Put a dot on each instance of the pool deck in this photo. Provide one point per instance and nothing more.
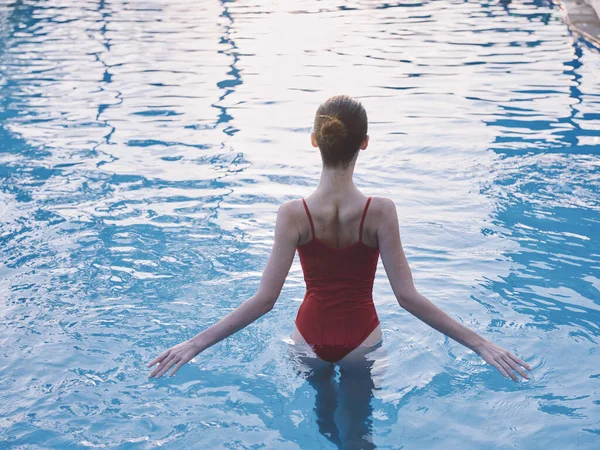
(582, 17)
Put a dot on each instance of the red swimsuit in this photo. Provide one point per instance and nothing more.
(337, 313)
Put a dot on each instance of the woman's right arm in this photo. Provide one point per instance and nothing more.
(273, 278)
(399, 274)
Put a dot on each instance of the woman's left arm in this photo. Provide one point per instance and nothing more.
(273, 278)
(400, 276)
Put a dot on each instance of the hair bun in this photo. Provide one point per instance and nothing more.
(339, 129)
(332, 129)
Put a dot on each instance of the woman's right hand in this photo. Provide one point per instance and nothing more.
(503, 360)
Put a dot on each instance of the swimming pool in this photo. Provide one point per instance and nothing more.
(146, 146)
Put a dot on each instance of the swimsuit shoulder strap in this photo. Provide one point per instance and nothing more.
(362, 220)
(312, 226)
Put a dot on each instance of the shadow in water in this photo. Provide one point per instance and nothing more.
(343, 406)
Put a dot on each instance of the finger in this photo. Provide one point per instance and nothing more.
(506, 367)
(160, 369)
(161, 365)
(515, 366)
(177, 367)
(167, 366)
(500, 369)
(519, 361)
(158, 358)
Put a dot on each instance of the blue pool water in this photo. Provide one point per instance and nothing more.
(145, 148)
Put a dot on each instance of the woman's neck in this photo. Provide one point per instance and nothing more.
(337, 182)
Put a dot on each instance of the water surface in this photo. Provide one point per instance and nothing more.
(145, 148)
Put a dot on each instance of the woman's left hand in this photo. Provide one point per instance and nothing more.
(503, 360)
(178, 355)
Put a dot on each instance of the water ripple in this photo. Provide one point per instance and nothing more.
(145, 148)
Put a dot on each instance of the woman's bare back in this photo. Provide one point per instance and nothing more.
(337, 222)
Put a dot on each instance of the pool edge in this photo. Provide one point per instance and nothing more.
(582, 17)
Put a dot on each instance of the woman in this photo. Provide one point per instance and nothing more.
(339, 234)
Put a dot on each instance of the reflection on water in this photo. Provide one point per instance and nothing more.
(343, 406)
(145, 148)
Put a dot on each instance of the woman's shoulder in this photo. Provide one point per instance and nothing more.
(291, 209)
(381, 206)
(291, 205)
(382, 214)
